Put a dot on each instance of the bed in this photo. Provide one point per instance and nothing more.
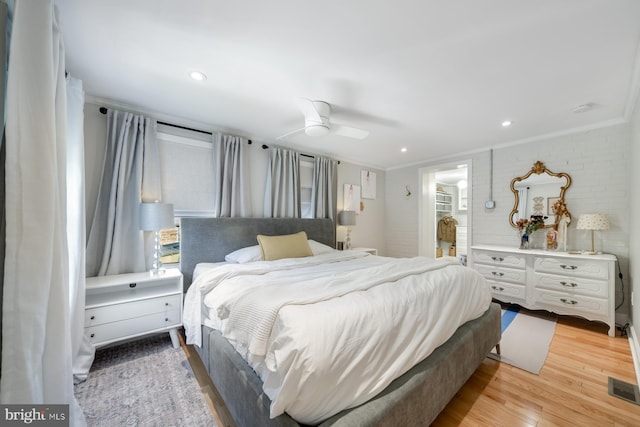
(415, 397)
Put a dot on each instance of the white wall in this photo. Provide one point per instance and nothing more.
(597, 161)
(634, 229)
(368, 231)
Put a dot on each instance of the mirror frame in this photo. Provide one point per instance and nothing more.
(537, 168)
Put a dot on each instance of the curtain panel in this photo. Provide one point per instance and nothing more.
(232, 195)
(324, 192)
(282, 190)
(36, 341)
(130, 175)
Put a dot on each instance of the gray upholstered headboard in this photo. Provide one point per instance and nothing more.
(210, 239)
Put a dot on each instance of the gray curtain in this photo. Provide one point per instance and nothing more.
(232, 195)
(130, 175)
(324, 192)
(282, 191)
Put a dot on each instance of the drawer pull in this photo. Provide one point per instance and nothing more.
(568, 302)
(568, 267)
(133, 285)
(497, 259)
(166, 304)
(569, 284)
(497, 288)
(166, 319)
(93, 335)
(497, 273)
(93, 317)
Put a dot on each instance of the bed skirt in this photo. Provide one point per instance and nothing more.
(414, 399)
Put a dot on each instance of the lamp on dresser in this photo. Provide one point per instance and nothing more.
(347, 218)
(593, 222)
(155, 217)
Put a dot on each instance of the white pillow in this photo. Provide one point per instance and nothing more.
(248, 254)
(254, 253)
(319, 248)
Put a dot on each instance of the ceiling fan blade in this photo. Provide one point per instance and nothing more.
(349, 132)
(308, 109)
(286, 135)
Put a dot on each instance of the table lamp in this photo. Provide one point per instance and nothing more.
(347, 218)
(155, 217)
(593, 222)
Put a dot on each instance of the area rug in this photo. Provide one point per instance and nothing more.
(143, 383)
(526, 336)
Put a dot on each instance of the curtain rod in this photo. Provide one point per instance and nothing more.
(104, 110)
(265, 146)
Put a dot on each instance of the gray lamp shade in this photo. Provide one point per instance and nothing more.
(347, 218)
(156, 216)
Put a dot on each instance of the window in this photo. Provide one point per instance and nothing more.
(306, 186)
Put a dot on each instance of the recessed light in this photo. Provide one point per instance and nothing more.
(506, 123)
(403, 149)
(582, 108)
(198, 75)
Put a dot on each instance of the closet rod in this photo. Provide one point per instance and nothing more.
(265, 146)
(104, 110)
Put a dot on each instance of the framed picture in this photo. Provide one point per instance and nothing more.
(368, 182)
(550, 202)
(352, 198)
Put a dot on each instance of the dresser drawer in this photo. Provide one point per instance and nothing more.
(571, 285)
(573, 267)
(508, 292)
(496, 273)
(499, 258)
(108, 332)
(135, 309)
(571, 304)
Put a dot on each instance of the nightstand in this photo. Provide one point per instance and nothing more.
(125, 306)
(372, 251)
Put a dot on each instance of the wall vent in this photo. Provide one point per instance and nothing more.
(624, 390)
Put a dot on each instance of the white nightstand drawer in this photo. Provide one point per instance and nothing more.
(573, 267)
(499, 258)
(494, 273)
(103, 334)
(579, 285)
(129, 310)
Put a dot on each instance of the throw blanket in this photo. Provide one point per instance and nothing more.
(251, 315)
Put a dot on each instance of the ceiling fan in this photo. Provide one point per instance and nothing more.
(317, 122)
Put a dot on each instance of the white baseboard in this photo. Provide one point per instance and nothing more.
(634, 343)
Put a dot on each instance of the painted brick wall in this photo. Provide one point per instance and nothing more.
(598, 162)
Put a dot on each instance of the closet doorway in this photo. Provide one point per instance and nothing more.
(445, 204)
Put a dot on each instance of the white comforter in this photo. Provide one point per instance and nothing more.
(329, 332)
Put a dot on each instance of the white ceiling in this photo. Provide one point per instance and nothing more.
(435, 76)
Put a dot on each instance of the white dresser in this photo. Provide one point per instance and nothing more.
(577, 285)
(124, 306)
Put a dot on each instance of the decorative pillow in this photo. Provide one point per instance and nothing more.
(248, 254)
(285, 246)
(319, 248)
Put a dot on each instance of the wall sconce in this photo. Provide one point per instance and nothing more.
(155, 217)
(347, 218)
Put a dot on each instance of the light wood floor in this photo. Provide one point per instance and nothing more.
(571, 389)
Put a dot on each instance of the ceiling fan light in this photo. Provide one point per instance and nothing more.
(316, 130)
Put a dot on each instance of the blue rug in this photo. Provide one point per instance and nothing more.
(526, 336)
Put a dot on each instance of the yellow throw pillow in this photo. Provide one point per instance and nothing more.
(286, 246)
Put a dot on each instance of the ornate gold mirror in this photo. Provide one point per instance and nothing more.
(536, 192)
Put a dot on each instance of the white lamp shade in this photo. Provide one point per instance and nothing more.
(156, 216)
(593, 222)
(347, 218)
